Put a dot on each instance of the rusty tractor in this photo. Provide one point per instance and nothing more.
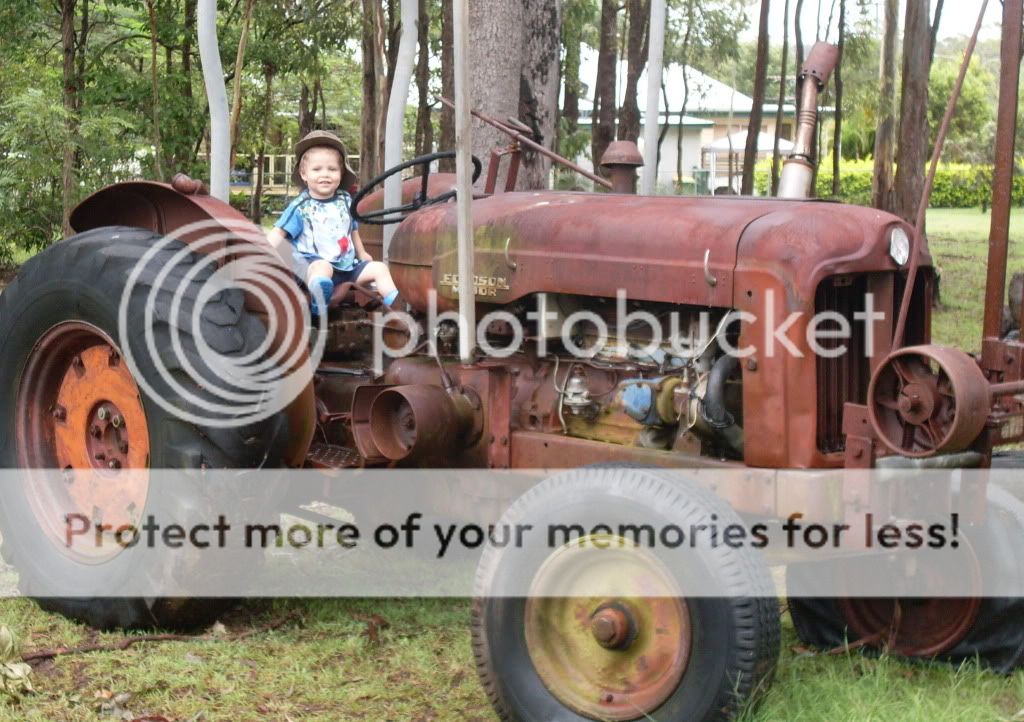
(68, 401)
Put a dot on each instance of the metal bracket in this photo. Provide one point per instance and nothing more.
(711, 280)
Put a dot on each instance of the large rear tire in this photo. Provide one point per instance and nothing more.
(59, 318)
(629, 656)
(950, 629)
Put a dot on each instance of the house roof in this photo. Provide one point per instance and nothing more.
(765, 143)
(707, 96)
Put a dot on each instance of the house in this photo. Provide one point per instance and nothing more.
(714, 113)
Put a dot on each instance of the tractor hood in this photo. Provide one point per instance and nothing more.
(680, 250)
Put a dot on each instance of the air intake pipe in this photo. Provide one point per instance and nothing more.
(424, 423)
(798, 172)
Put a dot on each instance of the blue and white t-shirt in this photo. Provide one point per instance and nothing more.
(321, 229)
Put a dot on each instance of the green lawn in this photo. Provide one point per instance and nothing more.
(322, 664)
(959, 243)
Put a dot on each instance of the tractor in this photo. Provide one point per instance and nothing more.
(605, 397)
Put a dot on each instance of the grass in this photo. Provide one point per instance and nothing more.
(958, 240)
(322, 664)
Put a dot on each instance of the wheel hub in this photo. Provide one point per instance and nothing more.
(607, 657)
(80, 410)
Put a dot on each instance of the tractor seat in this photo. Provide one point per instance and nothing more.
(352, 294)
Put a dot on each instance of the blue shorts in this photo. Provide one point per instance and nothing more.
(300, 266)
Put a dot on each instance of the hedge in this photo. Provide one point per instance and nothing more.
(956, 186)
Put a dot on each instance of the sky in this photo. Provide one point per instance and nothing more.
(958, 17)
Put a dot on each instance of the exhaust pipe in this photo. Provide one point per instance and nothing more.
(798, 171)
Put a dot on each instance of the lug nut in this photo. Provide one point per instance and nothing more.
(123, 446)
(114, 464)
(101, 413)
(59, 412)
(100, 456)
(77, 362)
(94, 431)
(116, 422)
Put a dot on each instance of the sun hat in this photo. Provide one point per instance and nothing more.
(327, 139)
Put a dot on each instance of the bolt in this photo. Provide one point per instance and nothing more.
(94, 431)
(116, 422)
(752, 365)
(123, 446)
(59, 412)
(114, 464)
(100, 456)
(101, 413)
(77, 362)
(114, 358)
(610, 627)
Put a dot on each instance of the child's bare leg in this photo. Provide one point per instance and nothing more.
(380, 274)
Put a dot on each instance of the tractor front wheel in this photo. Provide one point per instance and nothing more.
(607, 629)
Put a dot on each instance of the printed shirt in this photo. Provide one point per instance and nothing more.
(321, 228)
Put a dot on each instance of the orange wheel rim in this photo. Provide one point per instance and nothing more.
(79, 411)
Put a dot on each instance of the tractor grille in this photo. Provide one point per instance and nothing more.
(845, 378)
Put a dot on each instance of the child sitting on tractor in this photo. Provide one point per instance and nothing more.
(326, 248)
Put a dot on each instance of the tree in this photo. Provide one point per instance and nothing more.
(971, 132)
(539, 83)
(782, 99)
(638, 17)
(424, 126)
(756, 110)
(603, 118)
(885, 138)
(837, 142)
(911, 154)
(447, 141)
(374, 81)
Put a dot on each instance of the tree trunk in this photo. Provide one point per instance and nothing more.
(572, 37)
(935, 31)
(373, 90)
(268, 109)
(782, 100)
(236, 94)
(424, 127)
(447, 140)
(154, 80)
(603, 119)
(496, 43)
(757, 109)
(885, 136)
(186, 45)
(309, 104)
(913, 135)
(538, 88)
(70, 102)
(685, 59)
(639, 18)
(837, 141)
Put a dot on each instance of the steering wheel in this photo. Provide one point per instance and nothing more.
(398, 214)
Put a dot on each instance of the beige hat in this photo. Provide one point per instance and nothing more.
(324, 138)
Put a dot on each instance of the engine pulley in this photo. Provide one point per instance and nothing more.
(927, 400)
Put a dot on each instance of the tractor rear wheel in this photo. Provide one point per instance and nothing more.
(69, 400)
(950, 629)
(643, 651)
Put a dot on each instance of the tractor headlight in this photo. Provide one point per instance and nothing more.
(899, 246)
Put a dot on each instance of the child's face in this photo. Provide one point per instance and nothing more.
(320, 170)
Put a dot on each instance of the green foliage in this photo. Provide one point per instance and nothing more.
(957, 185)
(972, 129)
